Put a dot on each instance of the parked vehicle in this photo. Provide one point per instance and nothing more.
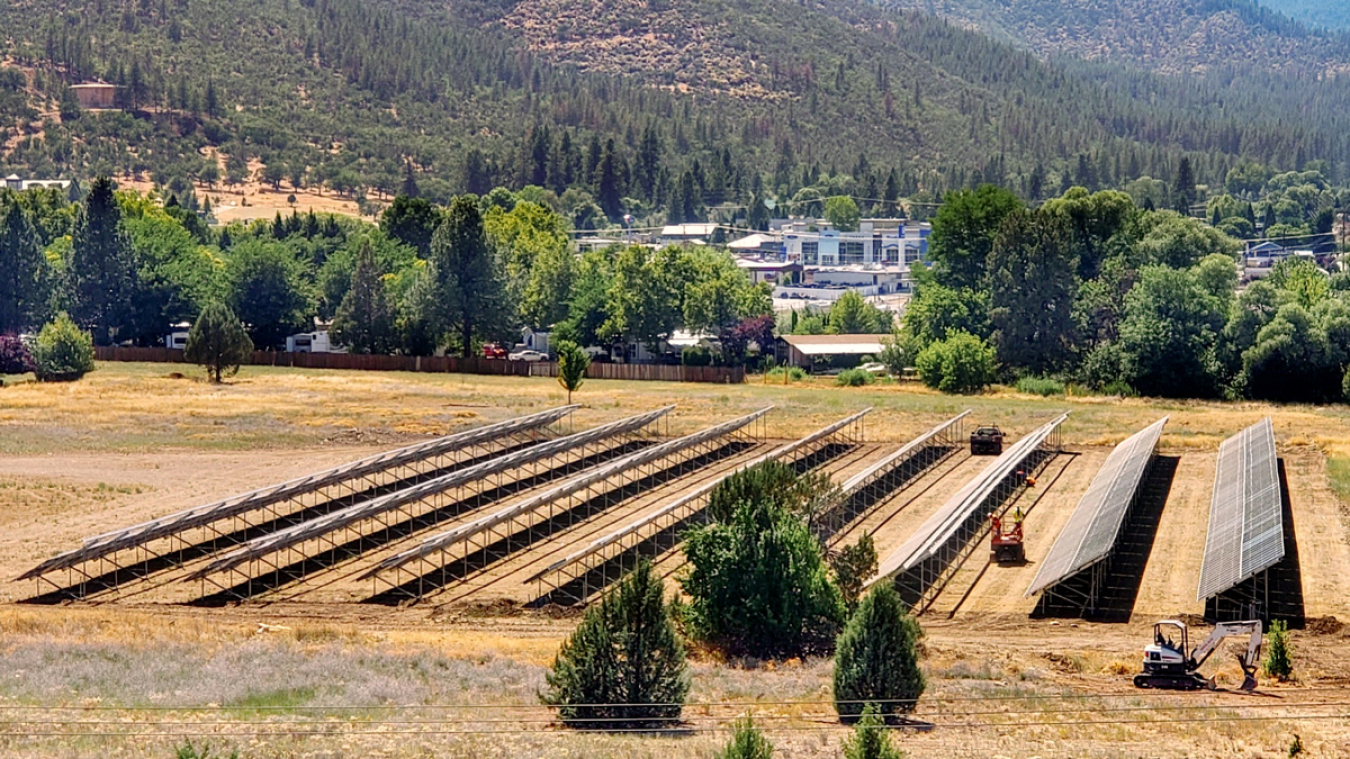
(528, 355)
(494, 350)
(986, 441)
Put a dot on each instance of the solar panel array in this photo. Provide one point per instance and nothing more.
(1246, 515)
(942, 526)
(702, 492)
(463, 533)
(197, 516)
(320, 526)
(1095, 524)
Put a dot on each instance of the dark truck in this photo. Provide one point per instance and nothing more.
(986, 441)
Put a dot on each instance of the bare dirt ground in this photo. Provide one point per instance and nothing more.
(251, 201)
(128, 444)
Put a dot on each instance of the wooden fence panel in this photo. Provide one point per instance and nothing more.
(445, 364)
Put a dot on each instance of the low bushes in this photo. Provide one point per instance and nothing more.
(854, 378)
(1042, 386)
(14, 356)
(62, 352)
(962, 363)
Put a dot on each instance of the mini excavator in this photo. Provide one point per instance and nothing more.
(1170, 663)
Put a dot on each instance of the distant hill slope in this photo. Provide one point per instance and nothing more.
(1331, 14)
(1168, 36)
(472, 93)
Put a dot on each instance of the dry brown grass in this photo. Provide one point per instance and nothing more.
(136, 407)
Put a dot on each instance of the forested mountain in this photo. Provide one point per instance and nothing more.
(1330, 14)
(640, 107)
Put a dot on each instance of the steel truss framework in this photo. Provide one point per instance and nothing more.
(866, 490)
(1246, 527)
(603, 562)
(285, 556)
(1074, 573)
(451, 556)
(923, 565)
(108, 561)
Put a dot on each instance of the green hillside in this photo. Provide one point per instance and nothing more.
(622, 99)
(1329, 14)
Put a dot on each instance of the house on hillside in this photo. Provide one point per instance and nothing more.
(94, 95)
(14, 182)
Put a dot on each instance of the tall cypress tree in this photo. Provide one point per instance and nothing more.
(21, 271)
(102, 273)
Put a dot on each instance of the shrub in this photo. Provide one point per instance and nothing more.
(757, 581)
(696, 355)
(1279, 659)
(1042, 386)
(189, 751)
(62, 351)
(786, 373)
(218, 341)
(852, 566)
(854, 378)
(747, 742)
(623, 656)
(893, 355)
(876, 658)
(962, 363)
(870, 740)
(14, 356)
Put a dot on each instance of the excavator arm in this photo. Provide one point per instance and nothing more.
(1248, 661)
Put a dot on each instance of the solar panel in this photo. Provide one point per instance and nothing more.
(463, 533)
(1095, 524)
(1246, 515)
(942, 526)
(331, 522)
(129, 537)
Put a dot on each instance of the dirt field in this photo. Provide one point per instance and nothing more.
(128, 444)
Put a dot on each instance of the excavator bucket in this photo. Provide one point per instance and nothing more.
(1248, 675)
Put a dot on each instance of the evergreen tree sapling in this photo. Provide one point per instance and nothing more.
(624, 666)
(747, 742)
(870, 739)
(572, 365)
(876, 657)
(1279, 658)
(218, 342)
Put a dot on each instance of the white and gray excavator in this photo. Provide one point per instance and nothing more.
(1170, 663)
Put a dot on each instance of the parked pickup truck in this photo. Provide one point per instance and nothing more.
(986, 441)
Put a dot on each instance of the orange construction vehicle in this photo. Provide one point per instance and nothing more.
(1005, 544)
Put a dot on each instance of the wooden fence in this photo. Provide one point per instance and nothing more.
(445, 364)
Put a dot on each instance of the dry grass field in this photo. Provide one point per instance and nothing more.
(335, 679)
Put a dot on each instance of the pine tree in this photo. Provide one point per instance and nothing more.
(218, 342)
(608, 189)
(624, 666)
(22, 271)
(364, 321)
(409, 188)
(876, 657)
(102, 273)
(469, 282)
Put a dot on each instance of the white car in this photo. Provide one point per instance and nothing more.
(528, 355)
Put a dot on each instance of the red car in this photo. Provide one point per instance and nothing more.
(493, 350)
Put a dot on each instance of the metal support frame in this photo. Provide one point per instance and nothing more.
(923, 576)
(455, 555)
(1083, 589)
(1249, 599)
(593, 569)
(330, 541)
(108, 563)
(867, 490)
